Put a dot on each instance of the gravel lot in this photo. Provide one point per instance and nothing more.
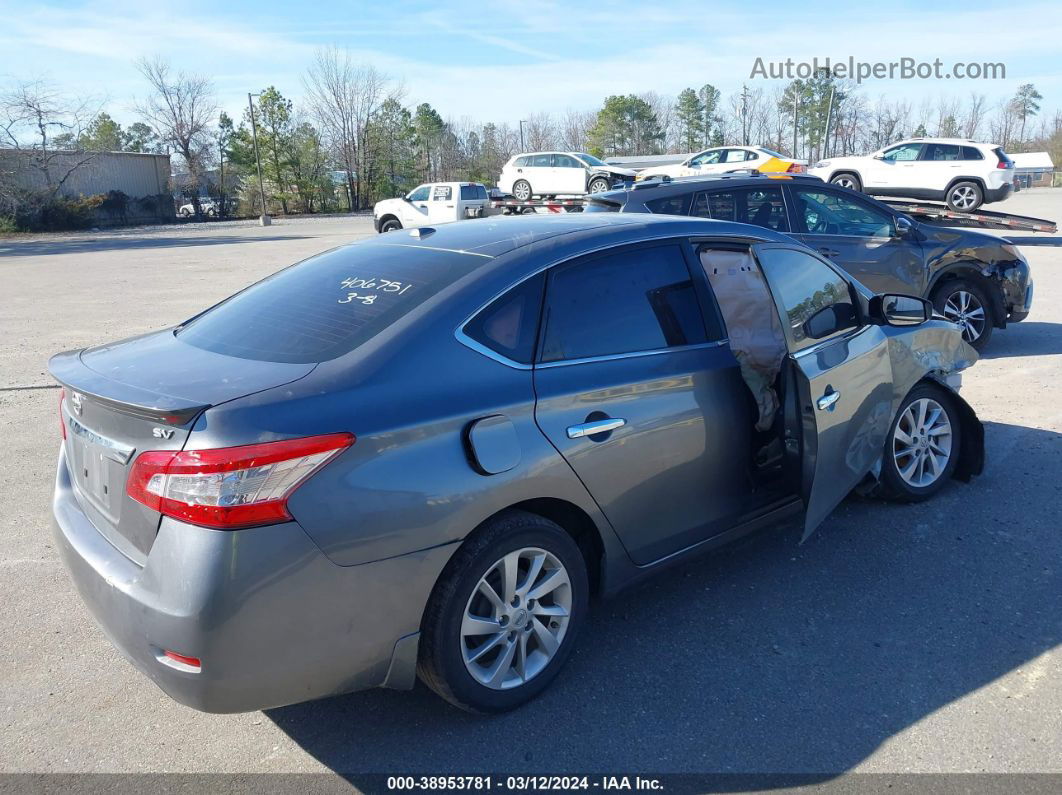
(898, 639)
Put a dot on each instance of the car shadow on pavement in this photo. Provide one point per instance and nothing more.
(1028, 338)
(768, 656)
(88, 245)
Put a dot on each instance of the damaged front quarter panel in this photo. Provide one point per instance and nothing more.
(936, 351)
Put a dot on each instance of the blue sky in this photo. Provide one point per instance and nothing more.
(501, 60)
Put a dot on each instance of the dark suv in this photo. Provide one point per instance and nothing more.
(974, 279)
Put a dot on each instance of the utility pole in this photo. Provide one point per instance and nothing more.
(796, 121)
(264, 218)
(744, 115)
(826, 134)
(522, 147)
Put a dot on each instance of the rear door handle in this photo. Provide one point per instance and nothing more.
(829, 252)
(595, 427)
(825, 403)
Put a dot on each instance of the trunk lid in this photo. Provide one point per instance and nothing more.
(141, 394)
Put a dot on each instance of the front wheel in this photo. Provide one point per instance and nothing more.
(598, 185)
(390, 225)
(522, 190)
(922, 449)
(850, 181)
(505, 614)
(964, 303)
(965, 197)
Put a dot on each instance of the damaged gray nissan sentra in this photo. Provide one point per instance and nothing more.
(421, 453)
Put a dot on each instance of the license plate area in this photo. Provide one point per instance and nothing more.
(99, 466)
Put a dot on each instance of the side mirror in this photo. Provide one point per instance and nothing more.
(878, 156)
(900, 310)
(904, 225)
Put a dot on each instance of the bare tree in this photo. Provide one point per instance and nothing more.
(540, 132)
(344, 96)
(34, 119)
(181, 109)
(975, 114)
(574, 128)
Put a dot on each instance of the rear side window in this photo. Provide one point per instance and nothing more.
(669, 205)
(328, 305)
(622, 302)
(972, 153)
(758, 206)
(941, 152)
(509, 324)
(443, 193)
(542, 161)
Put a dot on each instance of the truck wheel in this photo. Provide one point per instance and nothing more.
(504, 615)
(965, 197)
(390, 225)
(522, 190)
(599, 185)
(847, 180)
(964, 302)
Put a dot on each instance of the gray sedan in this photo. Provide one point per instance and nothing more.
(421, 454)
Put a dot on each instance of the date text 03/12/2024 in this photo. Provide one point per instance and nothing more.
(531, 783)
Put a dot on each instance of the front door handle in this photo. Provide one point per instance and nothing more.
(825, 403)
(829, 252)
(595, 427)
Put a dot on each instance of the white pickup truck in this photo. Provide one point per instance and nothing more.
(430, 204)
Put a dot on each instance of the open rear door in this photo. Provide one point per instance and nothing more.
(842, 373)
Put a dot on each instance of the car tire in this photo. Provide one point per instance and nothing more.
(965, 197)
(965, 302)
(846, 179)
(522, 190)
(527, 638)
(390, 225)
(185, 213)
(923, 445)
(599, 185)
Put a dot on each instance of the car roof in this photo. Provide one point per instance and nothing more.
(497, 235)
(679, 185)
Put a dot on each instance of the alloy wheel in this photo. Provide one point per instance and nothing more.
(845, 182)
(516, 618)
(922, 443)
(965, 309)
(964, 197)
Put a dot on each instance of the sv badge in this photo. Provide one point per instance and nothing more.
(162, 433)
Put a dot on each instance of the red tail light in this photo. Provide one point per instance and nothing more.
(62, 420)
(230, 487)
(1004, 164)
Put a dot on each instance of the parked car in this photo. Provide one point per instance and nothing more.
(559, 174)
(726, 159)
(964, 173)
(428, 450)
(209, 208)
(979, 281)
(432, 203)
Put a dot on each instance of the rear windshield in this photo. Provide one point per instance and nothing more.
(472, 192)
(328, 305)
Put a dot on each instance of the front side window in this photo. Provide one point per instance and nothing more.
(903, 152)
(620, 302)
(711, 157)
(758, 206)
(941, 152)
(420, 194)
(509, 324)
(815, 302)
(824, 212)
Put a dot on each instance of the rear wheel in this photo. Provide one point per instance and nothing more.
(504, 615)
(965, 197)
(599, 185)
(847, 180)
(922, 449)
(964, 302)
(522, 190)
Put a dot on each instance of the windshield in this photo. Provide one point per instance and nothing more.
(589, 159)
(327, 305)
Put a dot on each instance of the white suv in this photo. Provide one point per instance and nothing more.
(558, 174)
(965, 174)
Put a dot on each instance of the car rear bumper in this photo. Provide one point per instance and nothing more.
(1000, 193)
(273, 621)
